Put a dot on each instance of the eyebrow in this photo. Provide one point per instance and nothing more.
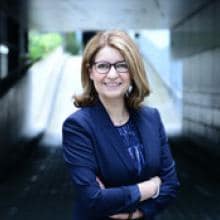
(104, 61)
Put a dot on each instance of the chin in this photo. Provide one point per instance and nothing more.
(113, 95)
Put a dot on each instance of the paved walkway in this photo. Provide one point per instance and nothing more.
(40, 188)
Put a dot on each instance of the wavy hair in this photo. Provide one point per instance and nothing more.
(121, 41)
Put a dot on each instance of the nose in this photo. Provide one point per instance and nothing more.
(112, 73)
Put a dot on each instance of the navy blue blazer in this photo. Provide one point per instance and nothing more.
(93, 147)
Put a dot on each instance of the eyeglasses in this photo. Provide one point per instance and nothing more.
(103, 67)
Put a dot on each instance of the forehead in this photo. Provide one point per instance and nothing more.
(108, 54)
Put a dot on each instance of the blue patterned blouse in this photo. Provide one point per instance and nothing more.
(130, 137)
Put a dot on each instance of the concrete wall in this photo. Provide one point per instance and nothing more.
(25, 110)
(155, 47)
(12, 114)
(195, 43)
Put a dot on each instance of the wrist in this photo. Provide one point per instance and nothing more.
(147, 189)
(157, 183)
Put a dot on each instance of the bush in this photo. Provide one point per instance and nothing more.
(71, 44)
(42, 44)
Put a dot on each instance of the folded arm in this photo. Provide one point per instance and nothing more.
(79, 155)
(170, 183)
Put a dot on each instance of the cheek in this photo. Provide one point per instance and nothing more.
(96, 78)
(92, 74)
(128, 79)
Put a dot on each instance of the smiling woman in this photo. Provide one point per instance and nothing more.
(112, 44)
(116, 148)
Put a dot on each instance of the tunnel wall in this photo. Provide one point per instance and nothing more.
(27, 90)
(13, 86)
(158, 57)
(26, 108)
(12, 114)
(26, 95)
(195, 43)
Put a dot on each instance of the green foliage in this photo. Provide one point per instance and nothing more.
(71, 44)
(42, 44)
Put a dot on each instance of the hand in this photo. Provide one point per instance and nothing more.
(135, 215)
(102, 186)
(120, 216)
(156, 180)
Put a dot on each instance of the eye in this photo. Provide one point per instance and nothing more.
(102, 65)
(122, 65)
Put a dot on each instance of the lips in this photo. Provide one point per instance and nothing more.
(112, 85)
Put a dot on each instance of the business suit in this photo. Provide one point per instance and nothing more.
(92, 147)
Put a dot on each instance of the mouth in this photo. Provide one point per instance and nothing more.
(112, 85)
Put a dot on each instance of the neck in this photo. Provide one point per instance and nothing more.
(117, 110)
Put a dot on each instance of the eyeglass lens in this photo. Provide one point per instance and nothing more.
(104, 67)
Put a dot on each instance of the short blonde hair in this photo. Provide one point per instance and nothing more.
(121, 41)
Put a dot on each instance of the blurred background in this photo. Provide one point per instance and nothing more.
(41, 45)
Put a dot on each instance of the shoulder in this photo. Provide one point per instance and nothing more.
(149, 112)
(148, 115)
(79, 114)
(80, 117)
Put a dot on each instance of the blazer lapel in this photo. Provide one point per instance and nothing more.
(143, 129)
(112, 136)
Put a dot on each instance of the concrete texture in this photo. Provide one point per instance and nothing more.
(197, 32)
(69, 84)
(55, 15)
(156, 50)
(40, 188)
(25, 110)
(161, 99)
(196, 45)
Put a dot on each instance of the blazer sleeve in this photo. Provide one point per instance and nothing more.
(167, 174)
(79, 154)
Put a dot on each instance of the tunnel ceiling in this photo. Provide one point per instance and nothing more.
(68, 15)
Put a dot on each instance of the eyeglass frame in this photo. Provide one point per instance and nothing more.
(110, 66)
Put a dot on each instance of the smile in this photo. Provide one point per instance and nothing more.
(112, 85)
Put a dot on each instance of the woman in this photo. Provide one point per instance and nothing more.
(115, 147)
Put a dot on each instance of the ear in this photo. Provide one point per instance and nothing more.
(90, 73)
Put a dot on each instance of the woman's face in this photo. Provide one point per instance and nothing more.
(109, 82)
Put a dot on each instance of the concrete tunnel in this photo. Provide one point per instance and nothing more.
(191, 80)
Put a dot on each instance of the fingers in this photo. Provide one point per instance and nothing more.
(137, 214)
(120, 216)
(102, 186)
(157, 180)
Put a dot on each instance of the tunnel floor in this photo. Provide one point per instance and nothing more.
(41, 189)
